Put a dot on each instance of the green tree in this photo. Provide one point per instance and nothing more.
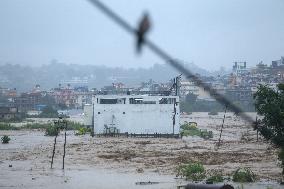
(270, 104)
(48, 112)
(190, 97)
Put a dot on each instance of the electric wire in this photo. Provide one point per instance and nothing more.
(173, 62)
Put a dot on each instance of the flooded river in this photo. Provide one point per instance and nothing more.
(121, 162)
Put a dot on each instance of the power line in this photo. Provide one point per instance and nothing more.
(168, 59)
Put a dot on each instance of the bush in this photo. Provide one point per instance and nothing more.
(215, 178)
(71, 125)
(5, 139)
(83, 131)
(192, 171)
(48, 112)
(244, 175)
(6, 126)
(206, 134)
(51, 130)
(190, 129)
(37, 126)
(15, 119)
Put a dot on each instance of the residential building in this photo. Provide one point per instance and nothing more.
(8, 113)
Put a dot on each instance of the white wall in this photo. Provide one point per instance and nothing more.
(138, 118)
(88, 115)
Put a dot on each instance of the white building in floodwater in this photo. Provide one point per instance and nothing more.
(134, 114)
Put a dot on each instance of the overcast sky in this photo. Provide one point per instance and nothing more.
(210, 33)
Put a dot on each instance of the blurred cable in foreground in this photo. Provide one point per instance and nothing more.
(141, 40)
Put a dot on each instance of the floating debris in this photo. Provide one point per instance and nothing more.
(146, 183)
(207, 186)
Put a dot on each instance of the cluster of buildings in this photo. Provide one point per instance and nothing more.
(238, 86)
(34, 101)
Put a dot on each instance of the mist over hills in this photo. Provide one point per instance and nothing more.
(24, 78)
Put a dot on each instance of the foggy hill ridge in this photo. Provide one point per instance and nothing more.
(24, 78)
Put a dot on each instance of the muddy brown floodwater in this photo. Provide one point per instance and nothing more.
(120, 162)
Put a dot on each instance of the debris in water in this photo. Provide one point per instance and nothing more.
(206, 186)
(139, 170)
(146, 183)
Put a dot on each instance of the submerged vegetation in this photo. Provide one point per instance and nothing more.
(7, 126)
(70, 126)
(51, 130)
(83, 131)
(196, 172)
(243, 175)
(215, 178)
(190, 129)
(5, 139)
(48, 112)
(192, 171)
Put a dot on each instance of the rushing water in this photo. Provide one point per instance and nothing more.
(20, 175)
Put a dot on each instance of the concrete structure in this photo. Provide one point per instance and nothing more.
(188, 87)
(134, 113)
(88, 115)
(240, 68)
(7, 113)
(83, 98)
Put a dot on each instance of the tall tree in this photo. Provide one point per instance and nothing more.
(270, 104)
(190, 97)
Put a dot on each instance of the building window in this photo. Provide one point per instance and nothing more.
(108, 101)
(99, 112)
(123, 112)
(167, 101)
(113, 101)
(140, 101)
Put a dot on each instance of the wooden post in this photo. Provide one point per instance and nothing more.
(219, 142)
(256, 125)
(53, 152)
(65, 124)
(174, 117)
(93, 121)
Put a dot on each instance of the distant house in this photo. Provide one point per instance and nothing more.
(83, 98)
(7, 113)
(28, 101)
(64, 96)
(240, 68)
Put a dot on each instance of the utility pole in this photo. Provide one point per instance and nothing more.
(60, 124)
(54, 145)
(174, 117)
(93, 121)
(219, 141)
(256, 127)
(64, 126)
